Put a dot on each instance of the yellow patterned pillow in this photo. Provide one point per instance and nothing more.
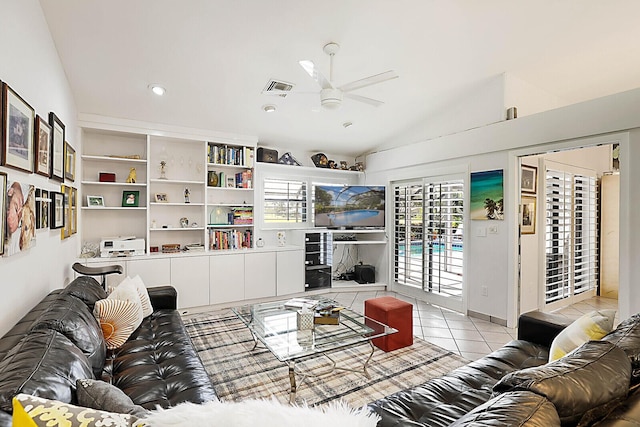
(591, 326)
(32, 411)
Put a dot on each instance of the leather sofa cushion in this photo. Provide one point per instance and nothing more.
(592, 376)
(517, 408)
(46, 364)
(625, 415)
(87, 289)
(72, 318)
(627, 337)
(158, 365)
(441, 401)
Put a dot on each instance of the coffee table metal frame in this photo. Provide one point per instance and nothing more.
(275, 326)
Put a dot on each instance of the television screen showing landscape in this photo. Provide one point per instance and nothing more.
(354, 206)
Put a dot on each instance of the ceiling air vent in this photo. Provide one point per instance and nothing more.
(277, 86)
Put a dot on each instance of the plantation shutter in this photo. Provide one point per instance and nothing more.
(285, 201)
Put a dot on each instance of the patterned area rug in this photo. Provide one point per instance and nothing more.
(225, 346)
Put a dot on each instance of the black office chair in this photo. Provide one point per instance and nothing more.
(97, 271)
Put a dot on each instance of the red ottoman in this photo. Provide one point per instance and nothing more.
(395, 313)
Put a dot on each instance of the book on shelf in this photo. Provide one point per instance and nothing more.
(229, 239)
(225, 155)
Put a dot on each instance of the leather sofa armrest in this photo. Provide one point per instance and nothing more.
(541, 328)
(163, 297)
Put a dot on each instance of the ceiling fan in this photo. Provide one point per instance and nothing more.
(331, 95)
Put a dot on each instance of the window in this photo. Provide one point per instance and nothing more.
(285, 201)
(570, 234)
(428, 237)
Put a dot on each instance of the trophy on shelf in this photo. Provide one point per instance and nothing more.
(163, 172)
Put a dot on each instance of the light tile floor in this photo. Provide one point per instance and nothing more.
(469, 337)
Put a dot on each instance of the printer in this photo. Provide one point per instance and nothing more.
(121, 246)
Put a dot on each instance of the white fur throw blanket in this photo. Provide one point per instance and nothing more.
(262, 413)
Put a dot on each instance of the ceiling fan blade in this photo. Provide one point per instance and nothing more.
(315, 74)
(364, 99)
(368, 81)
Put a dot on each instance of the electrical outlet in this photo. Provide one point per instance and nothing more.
(485, 291)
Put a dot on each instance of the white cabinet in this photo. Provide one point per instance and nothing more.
(152, 271)
(289, 272)
(190, 275)
(259, 275)
(226, 278)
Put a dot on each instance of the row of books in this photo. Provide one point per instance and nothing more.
(229, 239)
(242, 216)
(225, 155)
(239, 180)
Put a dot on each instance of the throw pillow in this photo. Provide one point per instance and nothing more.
(591, 326)
(147, 309)
(35, 411)
(119, 314)
(260, 412)
(101, 395)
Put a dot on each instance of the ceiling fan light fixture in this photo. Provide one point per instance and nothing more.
(331, 99)
(157, 89)
(269, 108)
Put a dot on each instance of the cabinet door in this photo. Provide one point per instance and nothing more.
(153, 272)
(226, 278)
(190, 276)
(259, 275)
(289, 272)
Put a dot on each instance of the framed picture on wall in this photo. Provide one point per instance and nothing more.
(70, 162)
(42, 137)
(528, 225)
(74, 210)
(3, 209)
(528, 179)
(57, 147)
(66, 227)
(18, 121)
(57, 209)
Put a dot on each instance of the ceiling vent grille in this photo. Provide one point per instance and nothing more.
(275, 85)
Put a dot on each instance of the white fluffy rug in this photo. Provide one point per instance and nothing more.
(264, 413)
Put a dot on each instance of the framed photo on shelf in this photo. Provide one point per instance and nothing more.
(57, 147)
(95, 201)
(70, 162)
(528, 179)
(161, 198)
(528, 225)
(57, 210)
(130, 199)
(43, 147)
(231, 182)
(18, 121)
(3, 209)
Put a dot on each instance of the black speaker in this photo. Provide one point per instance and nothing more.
(365, 274)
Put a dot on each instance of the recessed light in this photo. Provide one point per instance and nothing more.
(269, 108)
(157, 89)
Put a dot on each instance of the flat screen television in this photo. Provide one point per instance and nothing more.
(349, 206)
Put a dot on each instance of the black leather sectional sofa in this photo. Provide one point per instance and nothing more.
(59, 341)
(515, 386)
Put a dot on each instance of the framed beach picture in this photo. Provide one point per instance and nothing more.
(130, 199)
(57, 210)
(57, 147)
(528, 179)
(487, 195)
(18, 121)
(43, 147)
(528, 225)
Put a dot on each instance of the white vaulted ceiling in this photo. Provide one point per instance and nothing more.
(215, 56)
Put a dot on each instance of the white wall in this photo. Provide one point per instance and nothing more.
(30, 65)
(492, 261)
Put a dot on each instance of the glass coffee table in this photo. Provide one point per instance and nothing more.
(276, 327)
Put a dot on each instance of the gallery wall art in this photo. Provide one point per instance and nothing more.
(20, 223)
(487, 195)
